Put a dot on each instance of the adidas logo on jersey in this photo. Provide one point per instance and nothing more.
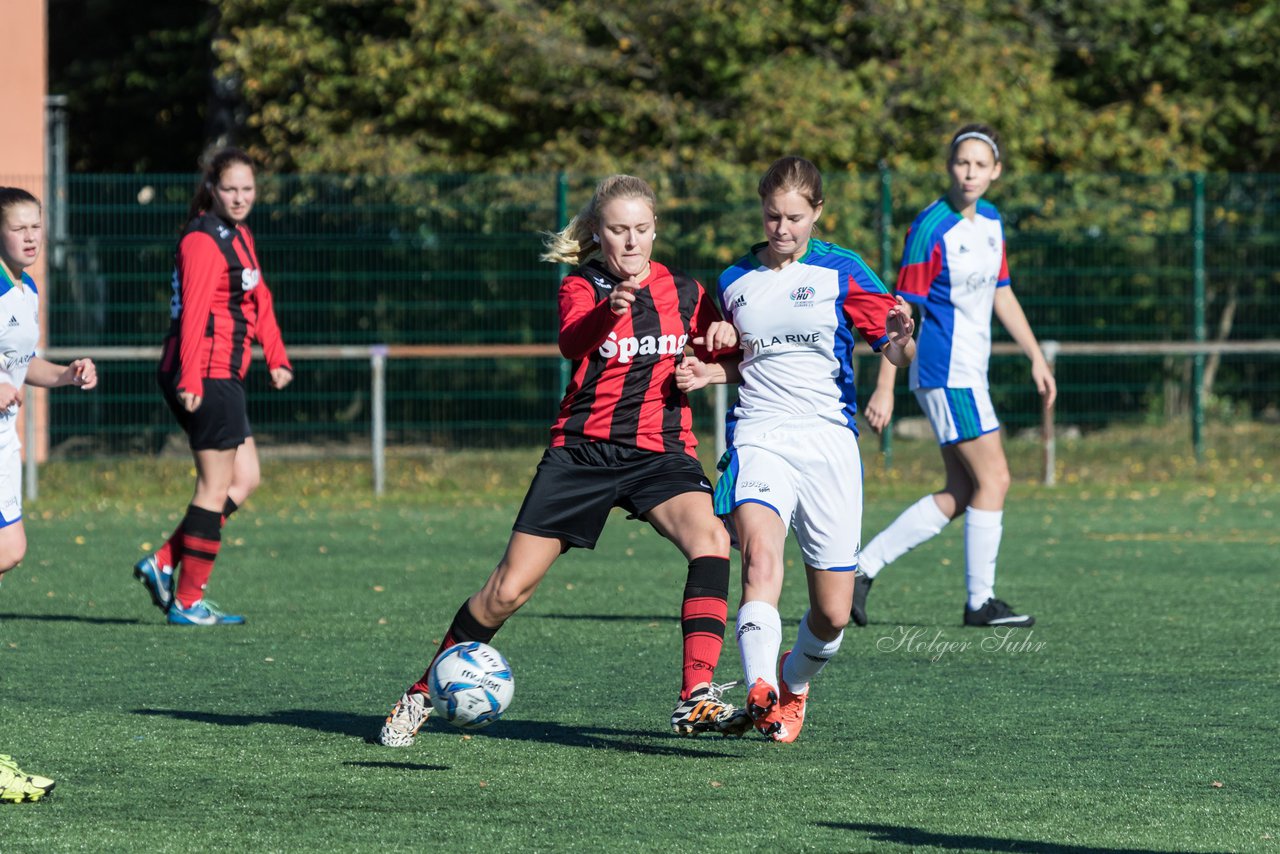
(964, 250)
(741, 301)
(13, 320)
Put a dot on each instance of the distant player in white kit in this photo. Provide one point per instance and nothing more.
(793, 461)
(21, 238)
(954, 267)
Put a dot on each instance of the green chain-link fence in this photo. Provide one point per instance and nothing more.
(450, 259)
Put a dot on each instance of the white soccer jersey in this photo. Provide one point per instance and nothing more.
(796, 328)
(19, 334)
(951, 267)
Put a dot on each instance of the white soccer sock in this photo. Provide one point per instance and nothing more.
(808, 657)
(982, 530)
(919, 523)
(759, 631)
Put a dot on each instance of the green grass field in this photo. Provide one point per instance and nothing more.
(1140, 714)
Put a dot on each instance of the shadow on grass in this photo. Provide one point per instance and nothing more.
(72, 618)
(917, 838)
(673, 617)
(647, 742)
(399, 766)
(365, 727)
(339, 723)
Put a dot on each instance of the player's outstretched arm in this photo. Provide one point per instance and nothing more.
(1014, 319)
(720, 335)
(880, 406)
(692, 373)
(45, 374)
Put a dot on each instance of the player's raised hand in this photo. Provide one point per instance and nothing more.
(691, 374)
(720, 335)
(899, 323)
(623, 296)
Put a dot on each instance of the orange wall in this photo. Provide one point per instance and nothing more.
(23, 85)
(25, 81)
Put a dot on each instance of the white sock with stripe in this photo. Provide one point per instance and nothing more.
(810, 654)
(759, 631)
(982, 532)
(919, 523)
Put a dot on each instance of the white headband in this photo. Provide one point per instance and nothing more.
(973, 134)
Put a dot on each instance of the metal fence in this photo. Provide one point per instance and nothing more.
(452, 259)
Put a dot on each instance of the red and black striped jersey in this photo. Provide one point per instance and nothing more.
(623, 386)
(220, 305)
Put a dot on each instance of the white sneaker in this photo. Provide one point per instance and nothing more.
(408, 716)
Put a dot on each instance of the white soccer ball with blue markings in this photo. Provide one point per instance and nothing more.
(471, 685)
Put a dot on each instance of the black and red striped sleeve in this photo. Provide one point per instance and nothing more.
(268, 330)
(705, 313)
(201, 267)
(584, 322)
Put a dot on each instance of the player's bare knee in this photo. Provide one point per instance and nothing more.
(500, 600)
(827, 623)
(10, 558)
(761, 572)
(713, 540)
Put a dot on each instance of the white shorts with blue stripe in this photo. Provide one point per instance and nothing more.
(810, 474)
(958, 414)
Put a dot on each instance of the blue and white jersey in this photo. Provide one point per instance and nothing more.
(951, 267)
(796, 329)
(19, 334)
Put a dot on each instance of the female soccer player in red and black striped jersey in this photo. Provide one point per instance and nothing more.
(220, 305)
(623, 439)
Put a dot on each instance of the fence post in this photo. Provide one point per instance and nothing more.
(1198, 309)
(886, 270)
(1047, 434)
(378, 405)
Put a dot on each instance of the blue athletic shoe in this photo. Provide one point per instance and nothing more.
(202, 613)
(158, 582)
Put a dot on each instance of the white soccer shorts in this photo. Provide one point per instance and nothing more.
(811, 476)
(958, 414)
(10, 482)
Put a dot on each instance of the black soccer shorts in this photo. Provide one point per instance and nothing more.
(221, 422)
(576, 486)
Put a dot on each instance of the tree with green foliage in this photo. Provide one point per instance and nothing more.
(509, 85)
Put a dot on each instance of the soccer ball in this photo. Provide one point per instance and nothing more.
(471, 685)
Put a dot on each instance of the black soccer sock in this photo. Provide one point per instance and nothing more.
(702, 619)
(464, 629)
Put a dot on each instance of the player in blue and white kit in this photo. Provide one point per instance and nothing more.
(954, 267)
(793, 460)
(21, 238)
